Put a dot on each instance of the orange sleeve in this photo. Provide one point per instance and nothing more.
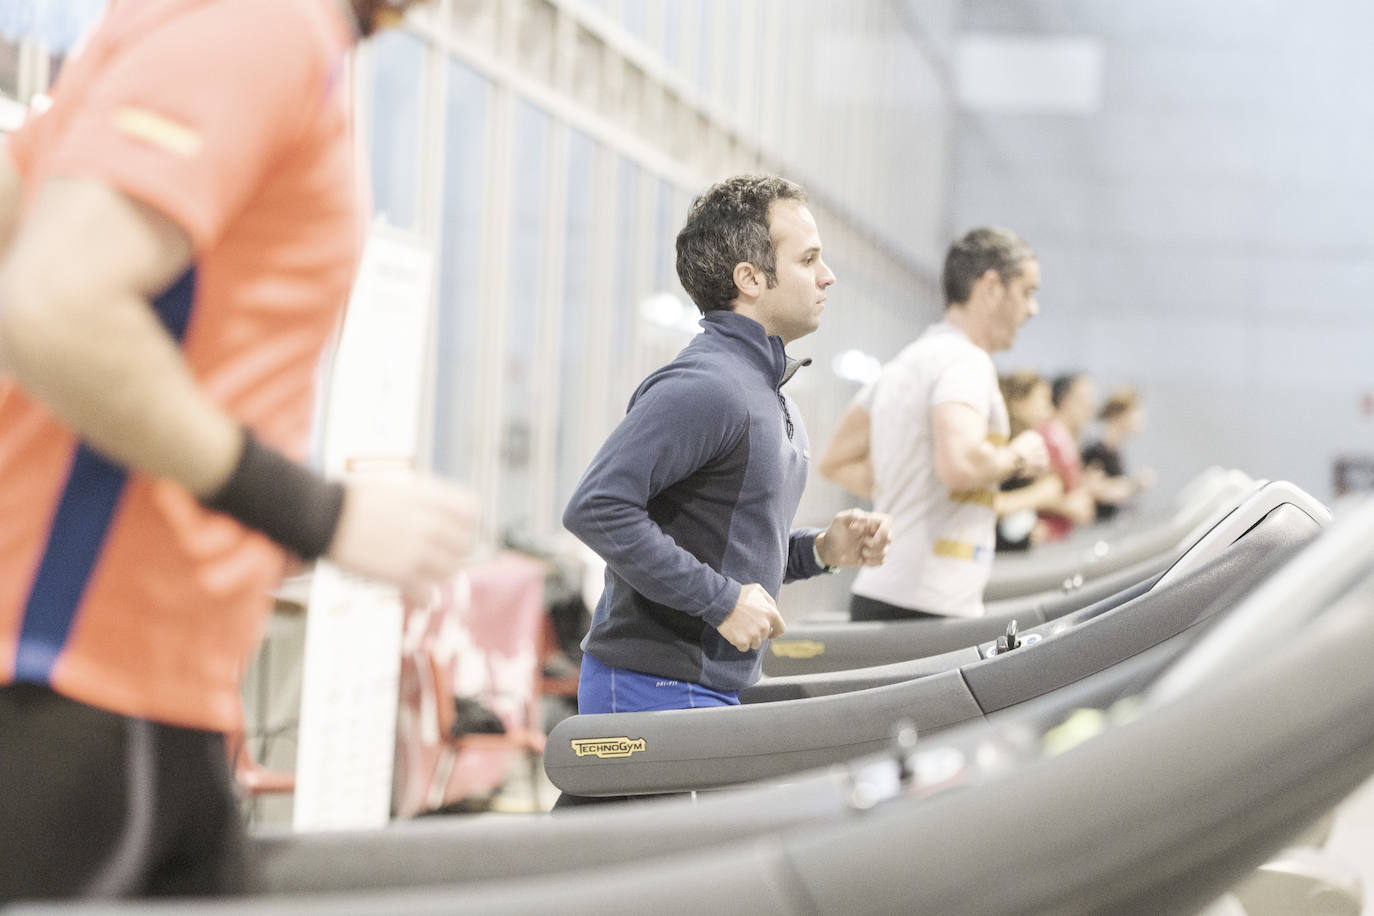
(189, 115)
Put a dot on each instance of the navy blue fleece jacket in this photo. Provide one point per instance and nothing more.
(691, 498)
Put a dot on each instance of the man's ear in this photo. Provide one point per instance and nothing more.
(987, 283)
(747, 279)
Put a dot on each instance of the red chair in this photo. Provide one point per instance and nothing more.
(481, 640)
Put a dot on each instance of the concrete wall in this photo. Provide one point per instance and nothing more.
(1206, 230)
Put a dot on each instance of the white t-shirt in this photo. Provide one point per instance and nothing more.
(942, 541)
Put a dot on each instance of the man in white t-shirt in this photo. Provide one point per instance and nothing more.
(927, 442)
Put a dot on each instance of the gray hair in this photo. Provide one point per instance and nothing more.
(970, 257)
(726, 225)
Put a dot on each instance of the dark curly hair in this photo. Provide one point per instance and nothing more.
(1062, 385)
(971, 256)
(1124, 398)
(726, 225)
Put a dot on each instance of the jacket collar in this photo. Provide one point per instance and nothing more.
(747, 337)
(791, 368)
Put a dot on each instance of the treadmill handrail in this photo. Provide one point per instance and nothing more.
(1297, 593)
(1222, 526)
(1212, 537)
(1013, 577)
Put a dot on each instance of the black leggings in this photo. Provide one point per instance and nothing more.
(94, 804)
(861, 608)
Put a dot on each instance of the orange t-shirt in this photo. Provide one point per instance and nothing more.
(231, 118)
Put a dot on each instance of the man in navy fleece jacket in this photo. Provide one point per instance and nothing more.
(690, 501)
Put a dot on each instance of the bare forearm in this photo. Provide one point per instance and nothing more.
(846, 460)
(114, 376)
(1114, 490)
(966, 459)
(855, 477)
(979, 467)
(79, 333)
(1037, 495)
(1076, 505)
(10, 189)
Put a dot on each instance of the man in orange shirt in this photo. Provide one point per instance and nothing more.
(178, 234)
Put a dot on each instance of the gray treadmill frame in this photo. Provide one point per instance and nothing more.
(685, 750)
(1000, 846)
(1044, 570)
(849, 647)
(839, 645)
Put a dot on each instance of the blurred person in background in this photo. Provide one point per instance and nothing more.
(929, 442)
(178, 234)
(1075, 403)
(1029, 405)
(1121, 418)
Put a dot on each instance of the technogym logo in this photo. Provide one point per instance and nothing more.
(608, 748)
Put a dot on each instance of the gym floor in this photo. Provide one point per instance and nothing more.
(1352, 838)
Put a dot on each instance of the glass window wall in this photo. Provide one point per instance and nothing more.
(528, 192)
(458, 324)
(575, 308)
(398, 60)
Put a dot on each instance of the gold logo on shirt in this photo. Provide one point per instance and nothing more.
(797, 648)
(976, 497)
(158, 130)
(959, 550)
(608, 748)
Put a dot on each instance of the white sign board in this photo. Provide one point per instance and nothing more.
(353, 628)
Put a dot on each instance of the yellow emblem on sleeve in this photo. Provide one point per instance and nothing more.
(158, 130)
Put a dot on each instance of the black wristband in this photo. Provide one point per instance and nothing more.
(289, 503)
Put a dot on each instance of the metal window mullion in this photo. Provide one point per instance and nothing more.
(645, 230)
(500, 65)
(34, 69)
(744, 101)
(502, 70)
(429, 218)
(548, 326)
(789, 108)
(494, 311)
(597, 418)
(769, 97)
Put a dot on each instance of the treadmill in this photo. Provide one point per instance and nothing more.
(795, 724)
(1239, 746)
